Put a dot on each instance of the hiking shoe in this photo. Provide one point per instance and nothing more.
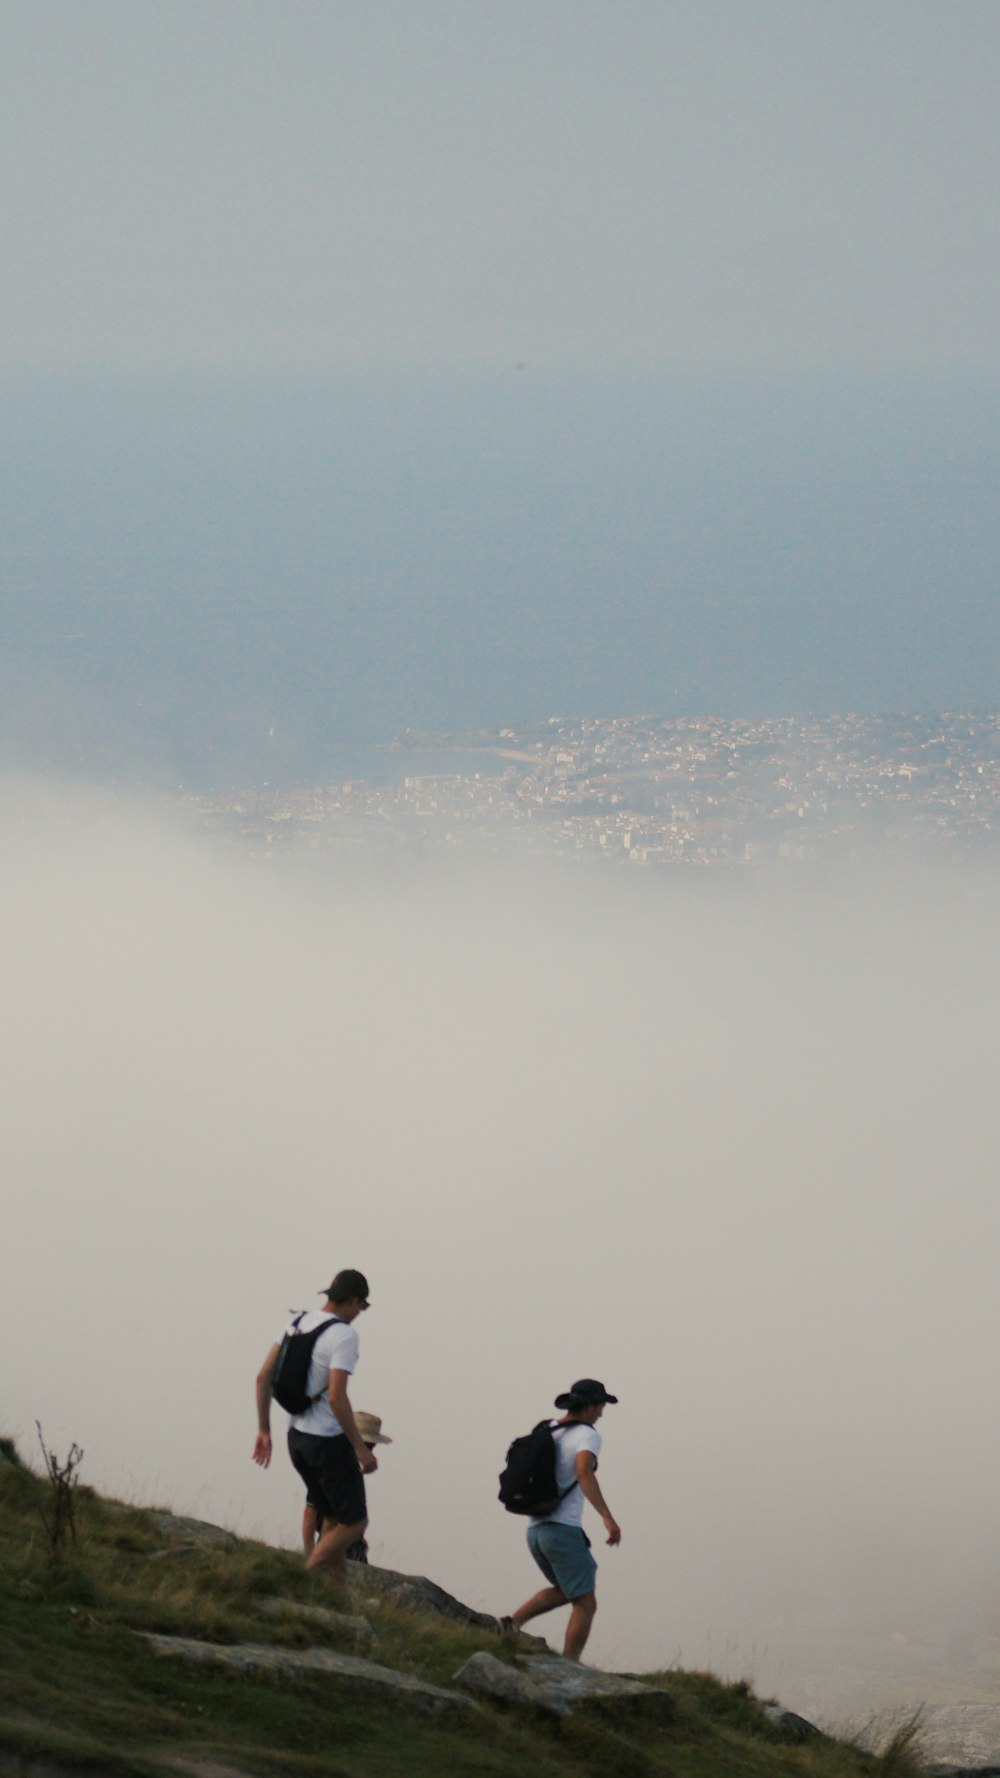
(506, 1626)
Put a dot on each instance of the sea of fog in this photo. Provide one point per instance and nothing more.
(731, 1147)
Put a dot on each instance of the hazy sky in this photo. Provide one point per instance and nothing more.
(598, 183)
(211, 582)
(733, 1150)
(436, 365)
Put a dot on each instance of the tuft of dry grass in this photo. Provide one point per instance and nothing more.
(897, 1743)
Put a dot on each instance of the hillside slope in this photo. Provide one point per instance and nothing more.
(85, 1687)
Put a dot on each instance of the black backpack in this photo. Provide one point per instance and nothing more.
(528, 1483)
(290, 1376)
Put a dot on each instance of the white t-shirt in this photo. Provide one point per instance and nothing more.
(569, 1441)
(335, 1350)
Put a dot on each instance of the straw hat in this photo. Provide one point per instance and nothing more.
(370, 1428)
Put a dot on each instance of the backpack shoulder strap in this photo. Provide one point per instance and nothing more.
(575, 1483)
(314, 1333)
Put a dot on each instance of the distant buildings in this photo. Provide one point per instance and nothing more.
(689, 792)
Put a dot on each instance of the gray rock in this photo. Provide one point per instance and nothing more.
(192, 1533)
(414, 1593)
(788, 1722)
(340, 1622)
(347, 1670)
(557, 1686)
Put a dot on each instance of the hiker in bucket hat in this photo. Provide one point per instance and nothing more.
(556, 1539)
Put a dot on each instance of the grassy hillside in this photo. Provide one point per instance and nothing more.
(80, 1690)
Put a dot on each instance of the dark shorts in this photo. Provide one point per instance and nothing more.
(330, 1469)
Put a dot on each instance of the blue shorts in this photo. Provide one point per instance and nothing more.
(563, 1554)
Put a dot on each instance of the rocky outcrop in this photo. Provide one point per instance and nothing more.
(347, 1670)
(558, 1687)
(414, 1593)
(191, 1533)
(797, 1727)
(340, 1623)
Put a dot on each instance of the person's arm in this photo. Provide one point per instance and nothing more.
(262, 1447)
(586, 1475)
(337, 1397)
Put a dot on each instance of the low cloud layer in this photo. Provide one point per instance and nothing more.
(730, 1147)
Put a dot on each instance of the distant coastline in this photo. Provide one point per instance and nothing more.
(722, 793)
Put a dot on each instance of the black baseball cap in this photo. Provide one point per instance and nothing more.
(347, 1284)
(587, 1393)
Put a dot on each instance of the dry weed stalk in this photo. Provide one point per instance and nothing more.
(60, 1522)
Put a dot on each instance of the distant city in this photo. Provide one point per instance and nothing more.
(649, 792)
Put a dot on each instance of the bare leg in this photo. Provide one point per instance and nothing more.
(549, 1599)
(578, 1629)
(309, 1529)
(329, 1556)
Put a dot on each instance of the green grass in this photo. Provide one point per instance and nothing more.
(79, 1688)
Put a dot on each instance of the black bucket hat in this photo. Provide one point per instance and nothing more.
(587, 1393)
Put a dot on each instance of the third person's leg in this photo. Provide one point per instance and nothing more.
(330, 1553)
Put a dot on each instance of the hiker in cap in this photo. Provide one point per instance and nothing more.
(325, 1443)
(556, 1539)
(370, 1428)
